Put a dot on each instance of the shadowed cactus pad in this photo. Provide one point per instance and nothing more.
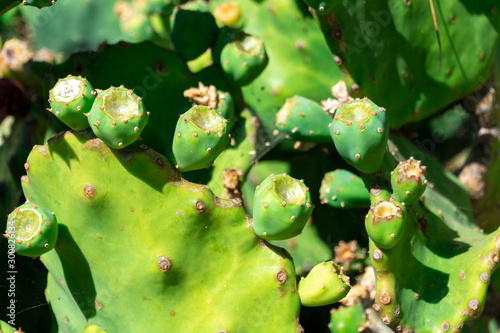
(138, 212)
(408, 181)
(325, 284)
(385, 223)
(118, 117)
(32, 229)
(360, 130)
(304, 119)
(200, 136)
(282, 206)
(70, 99)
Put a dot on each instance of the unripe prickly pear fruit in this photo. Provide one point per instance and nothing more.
(118, 117)
(325, 284)
(200, 136)
(344, 189)
(243, 58)
(322, 6)
(38, 3)
(282, 205)
(304, 119)
(360, 130)
(409, 181)
(347, 319)
(193, 29)
(31, 230)
(93, 329)
(70, 99)
(385, 223)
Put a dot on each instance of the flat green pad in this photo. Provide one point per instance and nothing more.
(123, 214)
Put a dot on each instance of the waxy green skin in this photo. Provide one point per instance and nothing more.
(273, 218)
(386, 231)
(360, 130)
(72, 113)
(192, 147)
(39, 242)
(343, 189)
(408, 188)
(219, 268)
(193, 30)
(303, 119)
(117, 132)
(347, 319)
(325, 284)
(243, 59)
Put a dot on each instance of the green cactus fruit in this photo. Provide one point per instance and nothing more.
(243, 59)
(304, 119)
(385, 223)
(31, 230)
(193, 30)
(221, 101)
(325, 284)
(360, 130)
(344, 189)
(409, 181)
(38, 3)
(282, 206)
(70, 99)
(347, 319)
(118, 117)
(200, 136)
(322, 6)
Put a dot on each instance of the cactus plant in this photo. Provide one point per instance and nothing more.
(134, 225)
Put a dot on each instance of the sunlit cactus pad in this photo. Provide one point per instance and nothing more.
(141, 248)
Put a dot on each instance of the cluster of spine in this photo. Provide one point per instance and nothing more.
(31, 230)
(116, 115)
(282, 206)
(343, 189)
(200, 136)
(325, 284)
(360, 130)
(303, 119)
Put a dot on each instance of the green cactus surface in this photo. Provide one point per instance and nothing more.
(281, 207)
(304, 119)
(385, 223)
(360, 130)
(38, 3)
(118, 116)
(325, 284)
(347, 319)
(322, 6)
(187, 249)
(200, 136)
(70, 99)
(31, 230)
(344, 189)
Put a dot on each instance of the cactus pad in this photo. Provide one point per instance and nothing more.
(141, 216)
(70, 99)
(118, 117)
(32, 229)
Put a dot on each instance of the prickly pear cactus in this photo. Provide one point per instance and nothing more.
(180, 250)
